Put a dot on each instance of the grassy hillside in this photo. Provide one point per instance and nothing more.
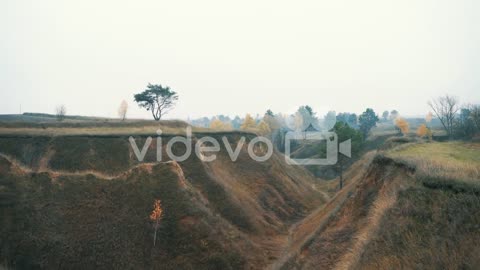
(81, 201)
(458, 161)
(35, 125)
(417, 207)
(73, 195)
(435, 223)
(80, 222)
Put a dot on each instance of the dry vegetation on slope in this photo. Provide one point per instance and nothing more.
(84, 202)
(81, 200)
(405, 214)
(352, 218)
(435, 224)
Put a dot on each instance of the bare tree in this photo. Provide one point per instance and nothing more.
(475, 115)
(60, 112)
(122, 110)
(445, 108)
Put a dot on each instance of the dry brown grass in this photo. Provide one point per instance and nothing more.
(434, 223)
(130, 127)
(59, 131)
(321, 230)
(427, 229)
(411, 223)
(387, 197)
(225, 213)
(21, 169)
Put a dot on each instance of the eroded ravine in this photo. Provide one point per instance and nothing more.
(303, 231)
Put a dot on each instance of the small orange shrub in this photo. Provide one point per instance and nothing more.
(156, 217)
(422, 131)
(403, 125)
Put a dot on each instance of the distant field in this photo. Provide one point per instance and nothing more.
(46, 125)
(36, 124)
(45, 117)
(388, 127)
(452, 160)
(59, 131)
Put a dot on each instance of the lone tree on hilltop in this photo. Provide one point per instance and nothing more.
(157, 99)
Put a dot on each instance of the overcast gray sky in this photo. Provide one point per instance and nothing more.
(234, 57)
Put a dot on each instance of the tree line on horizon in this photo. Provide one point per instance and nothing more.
(458, 122)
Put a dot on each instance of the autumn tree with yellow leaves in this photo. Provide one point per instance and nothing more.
(422, 131)
(403, 125)
(248, 123)
(272, 121)
(156, 218)
(217, 124)
(263, 128)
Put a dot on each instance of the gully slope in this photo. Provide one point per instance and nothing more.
(84, 201)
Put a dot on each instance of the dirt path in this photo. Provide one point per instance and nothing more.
(304, 230)
(386, 199)
(55, 173)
